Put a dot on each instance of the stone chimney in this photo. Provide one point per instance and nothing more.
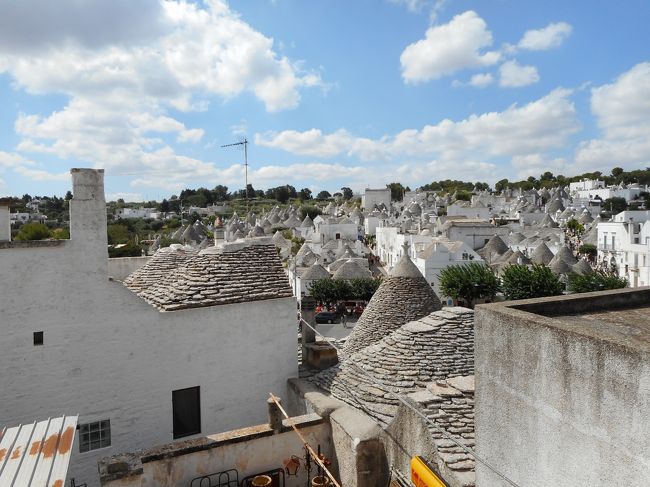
(5, 220)
(88, 218)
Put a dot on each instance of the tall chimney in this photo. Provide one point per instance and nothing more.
(88, 218)
(5, 220)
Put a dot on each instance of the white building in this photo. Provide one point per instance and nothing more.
(474, 232)
(375, 197)
(135, 212)
(335, 229)
(140, 372)
(432, 258)
(390, 244)
(624, 243)
(586, 185)
(478, 210)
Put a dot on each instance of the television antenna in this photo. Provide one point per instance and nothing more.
(244, 143)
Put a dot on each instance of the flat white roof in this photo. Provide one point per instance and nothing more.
(37, 454)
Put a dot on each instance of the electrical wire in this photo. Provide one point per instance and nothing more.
(443, 432)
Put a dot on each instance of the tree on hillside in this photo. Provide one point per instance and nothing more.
(347, 193)
(523, 282)
(305, 194)
(469, 282)
(323, 195)
(614, 205)
(397, 191)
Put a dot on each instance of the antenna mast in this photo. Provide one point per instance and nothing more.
(245, 144)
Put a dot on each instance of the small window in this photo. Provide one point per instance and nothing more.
(186, 405)
(93, 436)
(38, 338)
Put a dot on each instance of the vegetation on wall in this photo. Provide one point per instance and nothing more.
(596, 281)
(524, 282)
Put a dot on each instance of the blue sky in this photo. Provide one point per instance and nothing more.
(329, 93)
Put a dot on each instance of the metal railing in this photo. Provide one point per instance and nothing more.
(217, 479)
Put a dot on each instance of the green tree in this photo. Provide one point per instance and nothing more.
(33, 231)
(596, 281)
(311, 210)
(589, 250)
(60, 234)
(469, 282)
(614, 205)
(617, 171)
(118, 233)
(501, 185)
(304, 194)
(575, 226)
(323, 195)
(363, 288)
(396, 191)
(347, 193)
(523, 282)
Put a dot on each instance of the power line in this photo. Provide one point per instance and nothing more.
(245, 144)
(443, 432)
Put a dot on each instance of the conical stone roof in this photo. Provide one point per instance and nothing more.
(402, 297)
(582, 267)
(542, 254)
(495, 247)
(315, 272)
(518, 258)
(438, 346)
(351, 270)
(559, 266)
(566, 255)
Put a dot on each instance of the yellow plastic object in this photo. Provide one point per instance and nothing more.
(422, 474)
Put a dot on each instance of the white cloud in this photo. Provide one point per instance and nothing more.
(537, 126)
(622, 111)
(549, 37)
(481, 80)
(12, 160)
(121, 85)
(536, 164)
(42, 175)
(448, 48)
(127, 197)
(514, 75)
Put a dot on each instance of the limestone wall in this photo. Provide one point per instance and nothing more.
(561, 401)
(120, 267)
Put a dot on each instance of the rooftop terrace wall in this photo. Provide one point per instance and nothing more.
(563, 389)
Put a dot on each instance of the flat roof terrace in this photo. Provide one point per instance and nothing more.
(620, 316)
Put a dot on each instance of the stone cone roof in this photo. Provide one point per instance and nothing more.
(315, 272)
(518, 258)
(438, 346)
(279, 240)
(548, 222)
(515, 238)
(559, 266)
(402, 297)
(307, 222)
(582, 267)
(566, 255)
(351, 270)
(591, 237)
(161, 263)
(191, 235)
(555, 205)
(542, 254)
(585, 218)
(495, 246)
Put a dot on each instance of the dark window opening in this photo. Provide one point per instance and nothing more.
(38, 338)
(186, 405)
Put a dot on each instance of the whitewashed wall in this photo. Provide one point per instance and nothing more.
(109, 355)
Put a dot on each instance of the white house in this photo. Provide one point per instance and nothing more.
(624, 244)
(586, 185)
(183, 350)
(335, 229)
(474, 232)
(375, 197)
(437, 255)
(390, 244)
(477, 210)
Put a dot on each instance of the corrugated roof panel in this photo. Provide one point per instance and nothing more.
(37, 454)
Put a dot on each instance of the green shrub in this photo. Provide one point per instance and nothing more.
(523, 282)
(597, 281)
(469, 282)
(33, 231)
